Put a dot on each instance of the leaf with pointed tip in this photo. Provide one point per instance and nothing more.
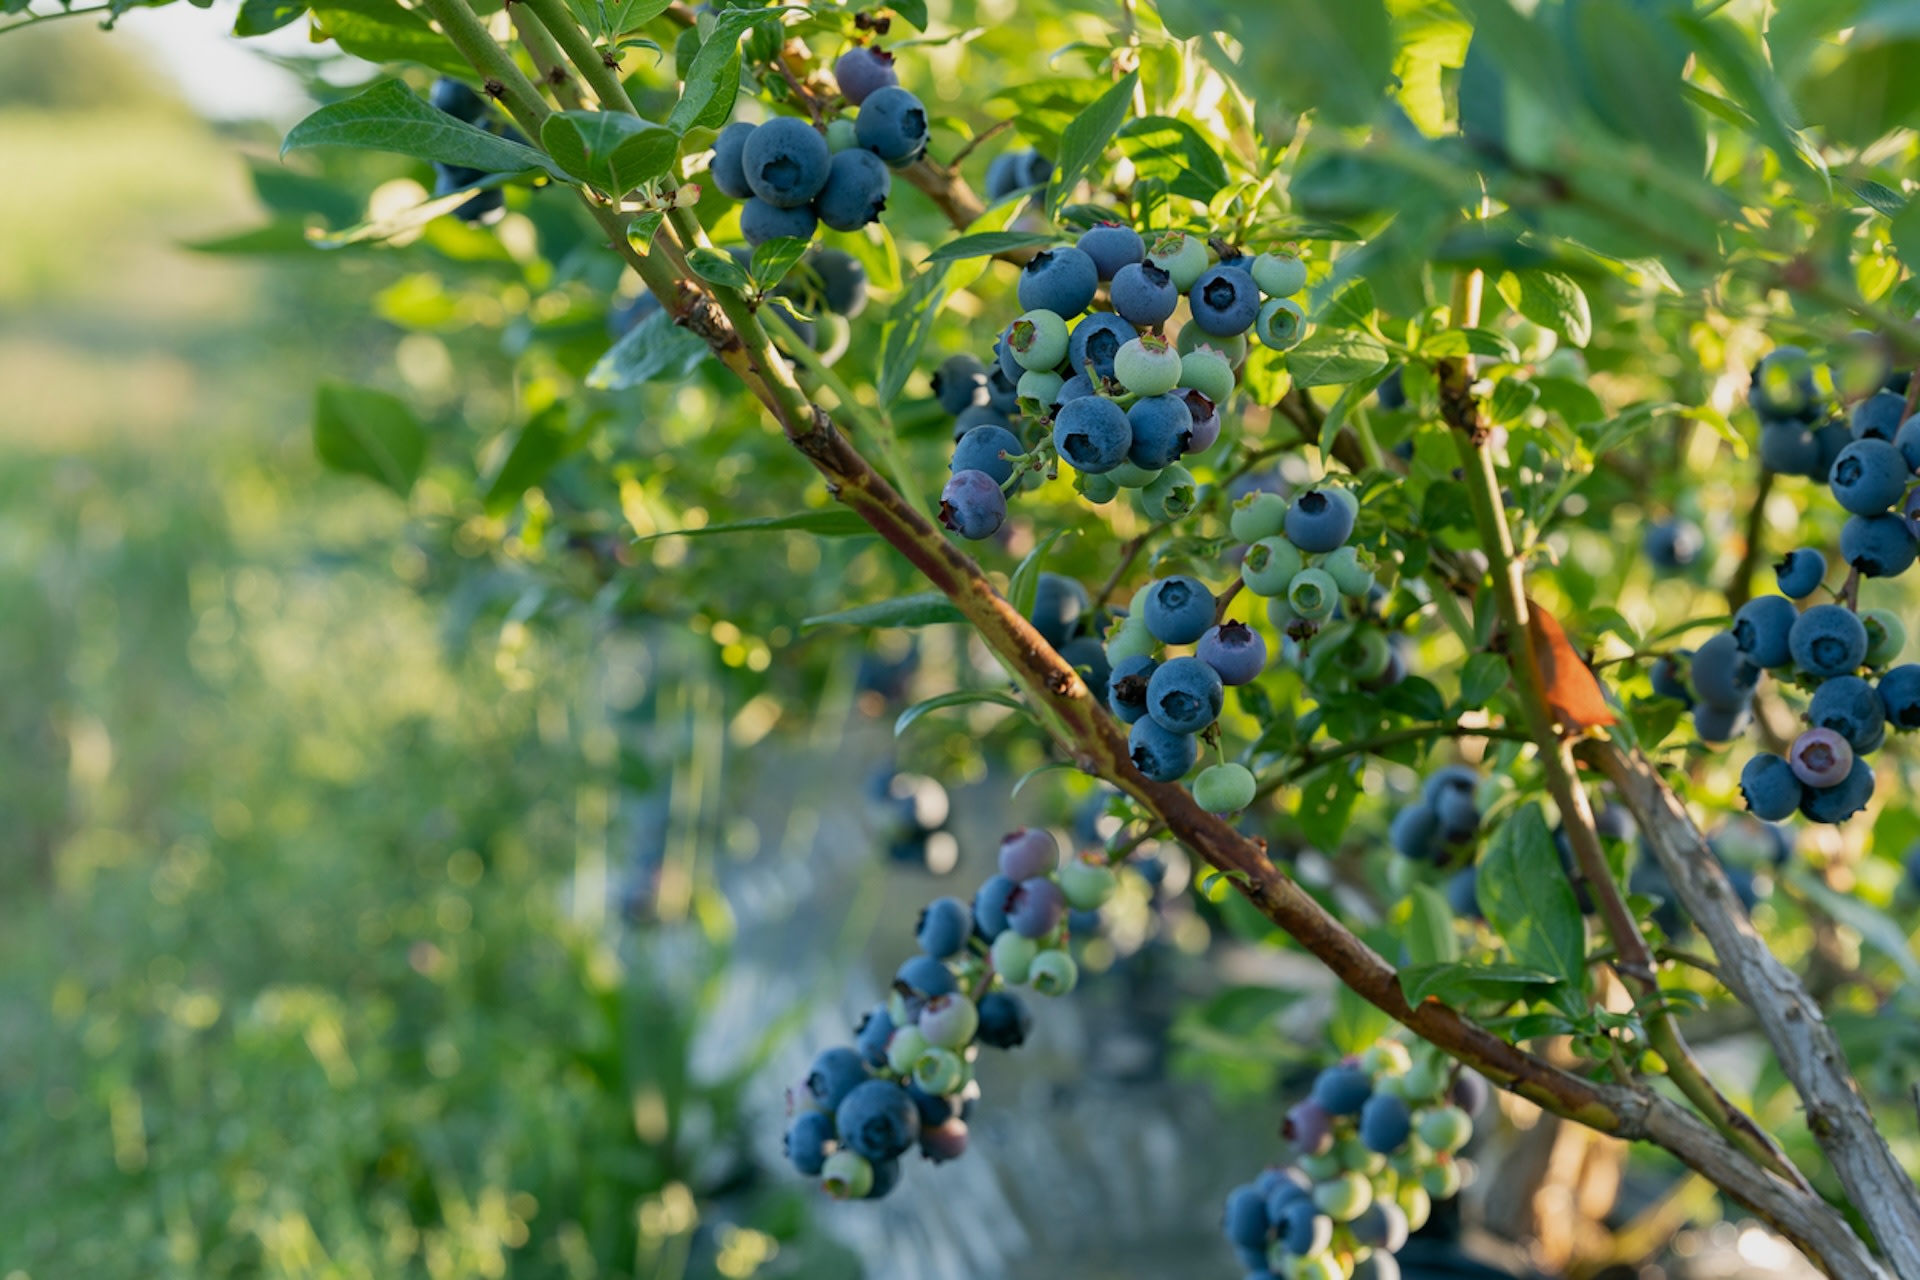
(369, 433)
(922, 609)
(654, 348)
(829, 522)
(960, 698)
(1085, 140)
(610, 150)
(391, 117)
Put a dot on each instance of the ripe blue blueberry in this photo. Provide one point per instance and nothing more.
(1061, 280)
(1077, 387)
(484, 207)
(1184, 695)
(1308, 1126)
(1783, 385)
(1246, 1222)
(1178, 610)
(1089, 657)
(843, 281)
(893, 125)
(1828, 640)
(1453, 778)
(858, 184)
(1851, 708)
(1224, 302)
(1868, 477)
(1058, 606)
(875, 1029)
(1878, 546)
(1463, 894)
(786, 162)
(1143, 294)
(960, 383)
(1320, 521)
(1900, 696)
(1386, 1122)
(1669, 676)
(1820, 758)
(925, 976)
(1005, 1020)
(1457, 813)
(808, 1142)
(834, 1075)
(1092, 434)
(972, 505)
(1800, 572)
(457, 100)
(980, 415)
(1342, 1090)
(1907, 441)
(1832, 438)
(1013, 171)
(1878, 417)
(1470, 1092)
(1674, 544)
(862, 71)
(1027, 853)
(1415, 833)
(1793, 449)
(1306, 1231)
(1761, 628)
(944, 1142)
(980, 450)
(945, 926)
(1234, 650)
(1160, 754)
(728, 168)
(1111, 245)
(1383, 1226)
(990, 906)
(1096, 340)
(1770, 787)
(1127, 687)
(1723, 676)
(1162, 427)
(761, 222)
(1838, 803)
(1036, 907)
(877, 1120)
(1718, 724)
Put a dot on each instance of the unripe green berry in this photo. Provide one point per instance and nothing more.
(939, 1072)
(1281, 324)
(1096, 489)
(1270, 566)
(1415, 1203)
(1279, 275)
(904, 1048)
(1427, 1079)
(1172, 495)
(1313, 594)
(1130, 639)
(1181, 256)
(1441, 1181)
(1886, 635)
(1208, 372)
(1053, 973)
(1193, 338)
(1038, 340)
(1087, 881)
(1013, 956)
(1356, 1158)
(1224, 788)
(1444, 1128)
(847, 1176)
(1258, 515)
(1129, 476)
(1344, 1198)
(1321, 1266)
(841, 135)
(1344, 564)
(1369, 654)
(949, 1021)
(1039, 385)
(1321, 1167)
(1280, 614)
(1147, 366)
(1389, 1056)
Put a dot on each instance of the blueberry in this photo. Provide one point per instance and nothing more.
(875, 1029)
(980, 415)
(1035, 909)
(1910, 511)
(1313, 594)
(1225, 788)
(1319, 521)
(877, 1120)
(1143, 294)
(849, 1176)
(1886, 635)
(1383, 1227)
(1761, 628)
(1415, 833)
(1147, 366)
(483, 208)
(1305, 1231)
(1851, 708)
(761, 222)
(1838, 803)
(1224, 302)
(1453, 778)
(1309, 1127)
(1096, 341)
(925, 976)
(1828, 640)
(1792, 449)
(1005, 359)
(972, 505)
(1127, 687)
(1178, 610)
(1868, 477)
(1878, 546)
(1820, 758)
(944, 1142)
(1783, 385)
(834, 1075)
(1005, 1020)
(1027, 853)
(1280, 275)
(1900, 696)
(1246, 1218)
(457, 100)
(1715, 724)
(1013, 171)
(893, 125)
(980, 450)
(1282, 324)
(1392, 392)
(1878, 417)
(728, 168)
(1061, 280)
(1181, 256)
(1208, 372)
(1078, 387)
(1342, 1090)
(1770, 787)
(1907, 441)
(1386, 1122)
(1669, 676)
(945, 926)
(862, 71)
(1674, 544)
(858, 183)
(1832, 438)
(1059, 604)
(1458, 815)
(1470, 1092)
(1723, 676)
(990, 906)
(807, 1142)
(1800, 572)
(1054, 973)
(1234, 650)
(1111, 245)
(1162, 428)
(843, 281)
(1092, 434)
(1463, 894)
(960, 383)
(786, 162)
(1184, 695)
(1161, 755)
(947, 1022)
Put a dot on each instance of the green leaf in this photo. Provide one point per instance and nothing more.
(959, 698)
(537, 449)
(1475, 342)
(773, 259)
(1484, 675)
(911, 11)
(279, 236)
(1724, 50)
(390, 117)
(982, 244)
(405, 220)
(828, 522)
(1024, 585)
(1086, 139)
(1176, 153)
(258, 17)
(1351, 396)
(1327, 798)
(713, 79)
(1882, 199)
(924, 609)
(610, 150)
(1330, 357)
(1430, 935)
(1527, 899)
(1552, 301)
(368, 433)
(1630, 72)
(1355, 1024)
(909, 321)
(1335, 59)
(1049, 767)
(654, 348)
(383, 31)
(1456, 984)
(1906, 235)
(716, 267)
(1877, 930)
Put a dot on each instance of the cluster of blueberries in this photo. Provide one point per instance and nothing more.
(1444, 822)
(1297, 558)
(1124, 404)
(908, 1079)
(1013, 171)
(468, 107)
(1377, 1141)
(794, 177)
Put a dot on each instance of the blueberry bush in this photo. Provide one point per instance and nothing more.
(1469, 441)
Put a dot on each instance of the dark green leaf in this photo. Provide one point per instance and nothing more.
(829, 522)
(654, 348)
(282, 236)
(1881, 199)
(925, 609)
(713, 79)
(1174, 152)
(909, 321)
(368, 433)
(1333, 59)
(610, 150)
(1526, 898)
(773, 259)
(1511, 398)
(1484, 675)
(1025, 583)
(384, 31)
(389, 117)
(1552, 301)
(983, 244)
(257, 17)
(911, 11)
(1430, 936)
(1630, 72)
(959, 698)
(286, 190)
(1330, 357)
(1086, 139)
(536, 450)
(1327, 798)
(716, 267)
(1906, 235)
(1458, 983)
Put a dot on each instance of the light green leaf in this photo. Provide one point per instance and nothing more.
(773, 259)
(719, 268)
(1355, 1024)
(609, 150)
(1330, 357)
(539, 446)
(1086, 139)
(1457, 983)
(1430, 935)
(982, 244)
(369, 433)
(390, 117)
(1879, 931)
(654, 348)
(1527, 899)
(404, 221)
(959, 698)
(1552, 301)
(829, 522)
(923, 609)
(1174, 151)
(382, 31)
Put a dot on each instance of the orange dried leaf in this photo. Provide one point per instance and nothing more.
(1573, 691)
